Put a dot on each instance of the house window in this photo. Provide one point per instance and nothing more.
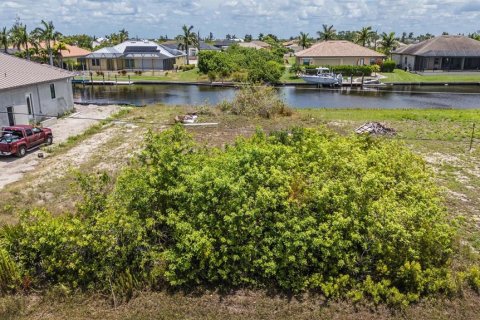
(436, 61)
(129, 64)
(406, 60)
(361, 62)
(306, 62)
(52, 90)
(95, 62)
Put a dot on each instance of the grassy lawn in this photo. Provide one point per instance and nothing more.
(182, 76)
(441, 137)
(403, 76)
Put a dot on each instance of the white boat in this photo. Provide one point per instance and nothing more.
(323, 77)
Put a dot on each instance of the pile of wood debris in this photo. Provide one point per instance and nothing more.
(375, 128)
(187, 118)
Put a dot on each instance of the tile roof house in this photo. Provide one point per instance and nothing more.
(30, 92)
(444, 52)
(133, 55)
(337, 52)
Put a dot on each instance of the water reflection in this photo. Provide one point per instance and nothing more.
(461, 97)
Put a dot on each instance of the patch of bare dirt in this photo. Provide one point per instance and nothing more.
(13, 169)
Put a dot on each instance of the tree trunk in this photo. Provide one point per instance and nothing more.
(50, 56)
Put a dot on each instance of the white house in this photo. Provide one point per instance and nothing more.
(31, 92)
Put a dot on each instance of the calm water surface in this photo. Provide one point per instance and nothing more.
(459, 97)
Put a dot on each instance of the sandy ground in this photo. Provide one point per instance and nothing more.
(12, 169)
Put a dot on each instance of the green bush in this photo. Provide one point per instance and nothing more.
(262, 101)
(295, 210)
(388, 66)
(9, 273)
(260, 65)
(345, 70)
(187, 67)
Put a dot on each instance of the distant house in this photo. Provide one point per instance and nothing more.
(30, 92)
(293, 46)
(440, 53)
(224, 44)
(337, 52)
(74, 54)
(255, 44)
(135, 55)
(192, 50)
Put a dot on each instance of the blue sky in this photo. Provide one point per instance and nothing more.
(151, 18)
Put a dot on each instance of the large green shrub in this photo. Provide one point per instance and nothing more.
(260, 65)
(299, 210)
(388, 66)
(350, 217)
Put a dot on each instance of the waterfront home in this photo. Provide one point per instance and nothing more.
(440, 53)
(31, 92)
(337, 52)
(192, 49)
(73, 55)
(135, 55)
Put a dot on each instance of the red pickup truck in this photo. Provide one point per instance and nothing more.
(19, 139)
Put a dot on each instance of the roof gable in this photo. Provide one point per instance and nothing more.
(338, 48)
(17, 72)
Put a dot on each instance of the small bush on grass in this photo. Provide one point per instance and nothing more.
(262, 101)
(388, 66)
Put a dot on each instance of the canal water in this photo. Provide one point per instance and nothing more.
(458, 97)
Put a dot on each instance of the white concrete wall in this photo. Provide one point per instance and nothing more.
(405, 61)
(43, 104)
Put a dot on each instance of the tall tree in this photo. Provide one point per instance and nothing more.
(187, 38)
(388, 42)
(4, 38)
(122, 35)
(328, 33)
(57, 50)
(364, 35)
(304, 40)
(48, 34)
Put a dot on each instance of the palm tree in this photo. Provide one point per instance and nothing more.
(122, 35)
(48, 34)
(4, 38)
(57, 50)
(388, 42)
(364, 35)
(187, 38)
(23, 40)
(304, 40)
(328, 33)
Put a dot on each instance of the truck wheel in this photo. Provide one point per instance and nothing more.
(49, 140)
(22, 151)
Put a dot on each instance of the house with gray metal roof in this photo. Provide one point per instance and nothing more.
(135, 55)
(440, 53)
(31, 92)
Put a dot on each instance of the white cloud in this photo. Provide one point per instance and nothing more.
(150, 18)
